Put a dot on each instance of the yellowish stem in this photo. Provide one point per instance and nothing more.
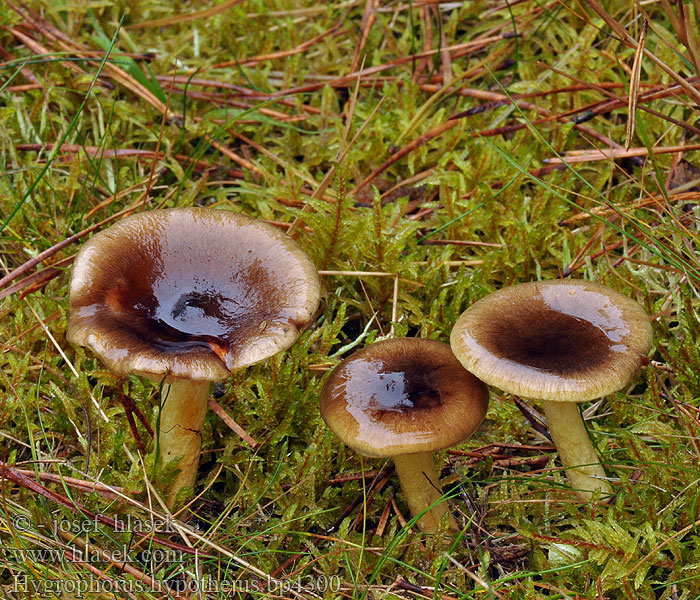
(180, 434)
(583, 469)
(421, 488)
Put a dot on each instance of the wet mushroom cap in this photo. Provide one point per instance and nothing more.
(554, 340)
(402, 396)
(193, 292)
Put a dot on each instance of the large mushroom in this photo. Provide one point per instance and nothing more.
(405, 398)
(188, 296)
(561, 342)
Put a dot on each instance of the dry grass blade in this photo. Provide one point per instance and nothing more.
(70, 46)
(498, 97)
(691, 34)
(239, 160)
(11, 474)
(485, 585)
(231, 423)
(576, 156)
(629, 40)
(39, 50)
(655, 550)
(455, 51)
(193, 16)
(634, 85)
(79, 484)
(605, 106)
(36, 280)
(86, 554)
(42, 256)
(407, 149)
(103, 153)
(368, 19)
(685, 28)
(308, 44)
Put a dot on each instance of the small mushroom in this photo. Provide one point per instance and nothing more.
(562, 342)
(405, 398)
(188, 296)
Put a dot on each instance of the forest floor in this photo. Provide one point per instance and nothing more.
(424, 154)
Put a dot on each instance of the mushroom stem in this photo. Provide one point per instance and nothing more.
(569, 434)
(180, 431)
(421, 488)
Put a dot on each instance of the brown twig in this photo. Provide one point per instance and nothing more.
(231, 423)
(42, 256)
(107, 491)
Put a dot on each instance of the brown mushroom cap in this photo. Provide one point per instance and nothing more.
(402, 396)
(193, 292)
(554, 340)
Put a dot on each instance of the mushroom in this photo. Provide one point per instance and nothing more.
(561, 342)
(188, 296)
(405, 398)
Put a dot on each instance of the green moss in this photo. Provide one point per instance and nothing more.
(277, 508)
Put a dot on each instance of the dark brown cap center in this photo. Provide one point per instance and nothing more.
(551, 341)
(401, 387)
(180, 312)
